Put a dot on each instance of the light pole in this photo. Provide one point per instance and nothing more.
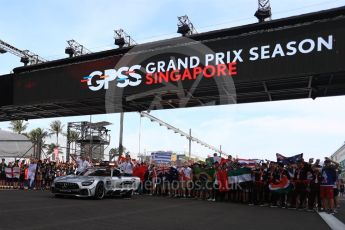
(121, 134)
(139, 133)
(90, 153)
(190, 143)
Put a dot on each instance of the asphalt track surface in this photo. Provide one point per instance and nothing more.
(341, 212)
(40, 210)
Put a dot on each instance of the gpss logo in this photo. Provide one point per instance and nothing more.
(124, 76)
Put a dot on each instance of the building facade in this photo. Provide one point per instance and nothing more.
(339, 156)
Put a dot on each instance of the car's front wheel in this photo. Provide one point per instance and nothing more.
(100, 191)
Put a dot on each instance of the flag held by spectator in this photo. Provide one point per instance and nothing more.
(16, 172)
(239, 175)
(203, 174)
(161, 157)
(288, 160)
(9, 173)
(249, 162)
(283, 186)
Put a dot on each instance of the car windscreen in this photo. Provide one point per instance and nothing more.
(96, 172)
(116, 173)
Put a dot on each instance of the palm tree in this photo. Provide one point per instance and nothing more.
(73, 137)
(50, 149)
(37, 137)
(56, 128)
(18, 126)
(116, 152)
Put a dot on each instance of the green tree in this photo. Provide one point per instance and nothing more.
(56, 128)
(50, 150)
(116, 152)
(18, 126)
(37, 137)
(73, 138)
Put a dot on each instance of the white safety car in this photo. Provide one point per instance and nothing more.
(96, 182)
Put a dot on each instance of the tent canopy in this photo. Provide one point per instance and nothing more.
(14, 145)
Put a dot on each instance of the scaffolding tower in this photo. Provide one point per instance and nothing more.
(92, 139)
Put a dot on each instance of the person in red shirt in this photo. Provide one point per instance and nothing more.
(140, 171)
(222, 181)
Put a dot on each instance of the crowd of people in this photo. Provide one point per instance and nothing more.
(286, 184)
(295, 185)
(32, 174)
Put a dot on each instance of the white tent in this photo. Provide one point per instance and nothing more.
(14, 145)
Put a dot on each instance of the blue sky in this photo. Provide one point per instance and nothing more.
(256, 130)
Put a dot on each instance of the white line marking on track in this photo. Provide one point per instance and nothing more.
(332, 221)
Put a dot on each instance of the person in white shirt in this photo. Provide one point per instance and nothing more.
(82, 163)
(127, 166)
(187, 180)
(32, 172)
(216, 158)
(187, 172)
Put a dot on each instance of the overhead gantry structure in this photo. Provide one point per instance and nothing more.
(26, 57)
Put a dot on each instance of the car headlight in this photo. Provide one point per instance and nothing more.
(87, 183)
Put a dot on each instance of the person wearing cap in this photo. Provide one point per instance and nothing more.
(328, 180)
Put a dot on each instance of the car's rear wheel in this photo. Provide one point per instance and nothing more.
(100, 191)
